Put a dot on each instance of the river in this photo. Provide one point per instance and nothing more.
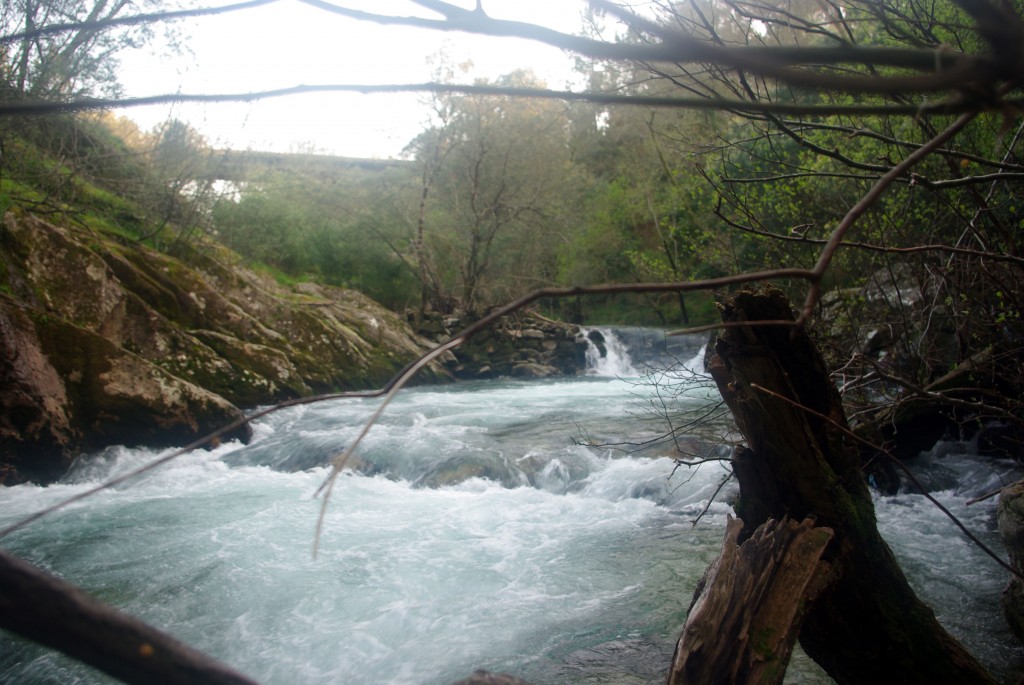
(503, 525)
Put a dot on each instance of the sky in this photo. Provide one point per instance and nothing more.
(289, 43)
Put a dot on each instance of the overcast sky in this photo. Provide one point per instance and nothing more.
(289, 43)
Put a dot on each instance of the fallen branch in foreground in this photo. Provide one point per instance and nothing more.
(54, 613)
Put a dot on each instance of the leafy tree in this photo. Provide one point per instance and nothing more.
(322, 219)
(941, 235)
(497, 171)
(180, 187)
(78, 59)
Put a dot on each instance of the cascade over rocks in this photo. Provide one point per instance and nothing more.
(105, 342)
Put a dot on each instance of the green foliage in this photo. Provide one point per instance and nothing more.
(69, 63)
(503, 195)
(498, 185)
(338, 228)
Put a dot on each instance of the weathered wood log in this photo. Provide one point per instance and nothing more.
(868, 626)
(750, 604)
(45, 609)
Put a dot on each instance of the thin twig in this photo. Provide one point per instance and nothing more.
(987, 495)
(166, 459)
(338, 463)
(134, 20)
(942, 107)
(788, 323)
(707, 507)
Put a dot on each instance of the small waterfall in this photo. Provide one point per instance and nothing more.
(607, 355)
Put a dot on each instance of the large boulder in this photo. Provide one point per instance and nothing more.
(34, 412)
(66, 388)
(523, 346)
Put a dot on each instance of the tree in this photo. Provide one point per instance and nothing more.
(494, 173)
(322, 217)
(181, 188)
(59, 49)
(940, 246)
(650, 198)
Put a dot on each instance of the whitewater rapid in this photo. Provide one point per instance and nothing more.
(498, 524)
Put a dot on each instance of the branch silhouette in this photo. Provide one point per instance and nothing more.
(942, 107)
(134, 20)
(965, 79)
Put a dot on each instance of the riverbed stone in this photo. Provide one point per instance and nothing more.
(533, 370)
(1010, 516)
(524, 346)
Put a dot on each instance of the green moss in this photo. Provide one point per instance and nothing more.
(259, 374)
(279, 276)
(762, 644)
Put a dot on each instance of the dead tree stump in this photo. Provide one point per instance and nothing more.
(756, 594)
(867, 626)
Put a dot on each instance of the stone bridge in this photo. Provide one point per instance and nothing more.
(238, 166)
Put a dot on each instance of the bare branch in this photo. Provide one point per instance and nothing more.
(676, 47)
(945, 107)
(968, 180)
(869, 198)
(150, 18)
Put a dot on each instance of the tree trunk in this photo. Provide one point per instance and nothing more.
(868, 626)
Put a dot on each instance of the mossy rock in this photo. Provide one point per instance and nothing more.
(120, 397)
(258, 372)
(139, 347)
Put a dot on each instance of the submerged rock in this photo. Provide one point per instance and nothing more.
(103, 342)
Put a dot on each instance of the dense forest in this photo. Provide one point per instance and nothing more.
(862, 156)
(503, 195)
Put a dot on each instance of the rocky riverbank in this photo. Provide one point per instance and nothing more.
(104, 341)
(526, 346)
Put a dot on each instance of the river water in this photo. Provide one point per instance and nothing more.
(504, 525)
